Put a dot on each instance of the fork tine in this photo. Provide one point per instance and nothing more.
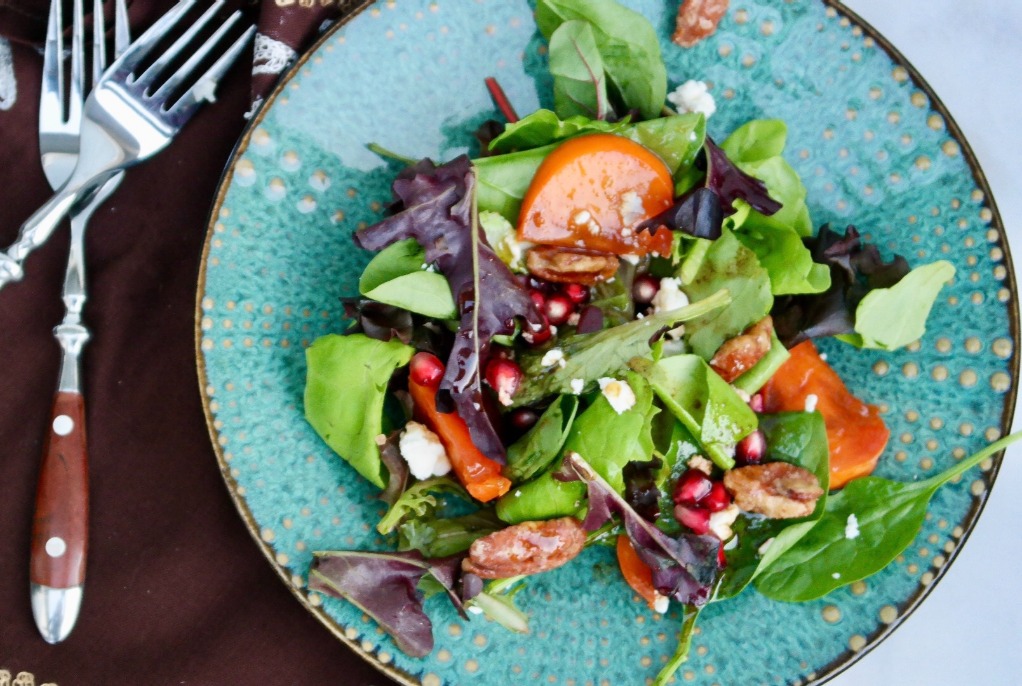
(202, 53)
(76, 92)
(158, 66)
(51, 99)
(144, 44)
(204, 87)
(98, 41)
(122, 31)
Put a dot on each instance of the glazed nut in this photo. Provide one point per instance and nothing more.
(696, 20)
(741, 353)
(777, 490)
(526, 548)
(565, 265)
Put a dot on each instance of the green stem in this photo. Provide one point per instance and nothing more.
(389, 154)
(968, 463)
(684, 644)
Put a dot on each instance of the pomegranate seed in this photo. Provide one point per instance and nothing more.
(523, 418)
(645, 289)
(537, 338)
(752, 448)
(695, 518)
(426, 369)
(504, 376)
(590, 320)
(538, 298)
(575, 292)
(692, 487)
(717, 499)
(558, 309)
(756, 403)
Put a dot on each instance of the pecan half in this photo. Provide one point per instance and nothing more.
(565, 265)
(739, 354)
(777, 490)
(696, 20)
(526, 548)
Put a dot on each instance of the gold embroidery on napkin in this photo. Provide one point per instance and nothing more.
(21, 679)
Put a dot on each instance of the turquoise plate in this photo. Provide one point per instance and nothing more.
(875, 147)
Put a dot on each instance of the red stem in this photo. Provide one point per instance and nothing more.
(500, 100)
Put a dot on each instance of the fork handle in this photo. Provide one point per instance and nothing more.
(60, 525)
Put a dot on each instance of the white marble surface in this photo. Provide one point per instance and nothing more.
(969, 630)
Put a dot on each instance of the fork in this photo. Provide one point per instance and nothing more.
(60, 530)
(130, 117)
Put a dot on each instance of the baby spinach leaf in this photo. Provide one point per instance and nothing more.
(503, 180)
(604, 353)
(677, 139)
(576, 66)
(798, 438)
(702, 401)
(345, 386)
(543, 127)
(533, 452)
(395, 276)
(725, 263)
(889, 515)
(890, 318)
(627, 43)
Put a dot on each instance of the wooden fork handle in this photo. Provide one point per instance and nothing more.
(60, 526)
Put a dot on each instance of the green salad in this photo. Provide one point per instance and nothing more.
(599, 332)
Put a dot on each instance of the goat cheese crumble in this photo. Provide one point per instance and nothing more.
(554, 356)
(811, 401)
(618, 393)
(852, 527)
(423, 451)
(693, 96)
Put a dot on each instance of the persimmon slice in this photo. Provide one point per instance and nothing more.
(855, 432)
(592, 191)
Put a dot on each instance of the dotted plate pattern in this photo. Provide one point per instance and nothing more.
(874, 147)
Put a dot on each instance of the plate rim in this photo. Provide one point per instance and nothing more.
(844, 660)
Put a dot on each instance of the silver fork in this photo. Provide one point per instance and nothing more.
(128, 118)
(57, 581)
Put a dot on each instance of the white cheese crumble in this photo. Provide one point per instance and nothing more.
(631, 209)
(618, 393)
(630, 259)
(423, 451)
(765, 546)
(693, 96)
(474, 609)
(811, 401)
(661, 603)
(701, 463)
(852, 527)
(554, 356)
(836, 575)
(670, 297)
(577, 385)
(720, 522)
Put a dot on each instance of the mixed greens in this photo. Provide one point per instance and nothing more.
(528, 373)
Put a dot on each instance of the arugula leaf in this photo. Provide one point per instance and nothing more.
(889, 515)
(395, 276)
(533, 452)
(604, 353)
(798, 438)
(543, 127)
(442, 537)
(890, 318)
(725, 263)
(628, 44)
(577, 69)
(702, 401)
(345, 386)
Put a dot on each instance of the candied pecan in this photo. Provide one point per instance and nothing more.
(696, 20)
(739, 354)
(777, 490)
(526, 548)
(566, 265)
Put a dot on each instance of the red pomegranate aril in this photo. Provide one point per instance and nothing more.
(644, 289)
(538, 299)
(558, 309)
(756, 403)
(695, 518)
(537, 338)
(717, 499)
(692, 487)
(523, 419)
(752, 448)
(590, 320)
(575, 292)
(426, 369)
(504, 376)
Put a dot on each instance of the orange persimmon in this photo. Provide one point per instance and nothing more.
(480, 475)
(856, 433)
(637, 573)
(592, 191)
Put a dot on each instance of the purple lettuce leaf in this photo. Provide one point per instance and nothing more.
(684, 567)
(855, 269)
(730, 183)
(377, 320)
(397, 468)
(438, 213)
(384, 586)
(698, 213)
(641, 491)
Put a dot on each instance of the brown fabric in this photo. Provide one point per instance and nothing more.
(177, 592)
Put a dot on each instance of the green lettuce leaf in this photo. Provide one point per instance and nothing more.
(395, 276)
(580, 87)
(787, 260)
(543, 127)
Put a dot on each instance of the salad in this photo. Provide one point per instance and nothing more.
(599, 332)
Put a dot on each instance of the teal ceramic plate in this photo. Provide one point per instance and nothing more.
(874, 146)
